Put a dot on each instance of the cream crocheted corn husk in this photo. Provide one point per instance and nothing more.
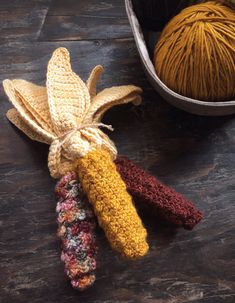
(66, 113)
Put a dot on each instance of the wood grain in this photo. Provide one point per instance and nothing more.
(22, 19)
(195, 155)
(86, 20)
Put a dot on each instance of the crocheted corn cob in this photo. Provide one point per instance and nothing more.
(66, 114)
(156, 196)
(76, 224)
(123, 228)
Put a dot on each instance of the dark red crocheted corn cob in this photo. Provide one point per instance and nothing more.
(161, 199)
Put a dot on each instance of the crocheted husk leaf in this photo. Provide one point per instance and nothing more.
(68, 96)
(34, 98)
(24, 113)
(112, 204)
(110, 97)
(16, 119)
(93, 79)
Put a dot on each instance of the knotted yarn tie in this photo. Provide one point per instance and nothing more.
(54, 157)
(69, 133)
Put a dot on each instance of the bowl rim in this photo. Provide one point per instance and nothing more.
(135, 26)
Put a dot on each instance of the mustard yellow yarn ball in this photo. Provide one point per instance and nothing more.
(195, 55)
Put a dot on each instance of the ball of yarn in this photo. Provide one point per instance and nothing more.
(195, 55)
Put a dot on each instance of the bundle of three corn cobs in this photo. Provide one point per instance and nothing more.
(67, 115)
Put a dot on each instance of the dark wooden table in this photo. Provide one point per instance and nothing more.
(195, 155)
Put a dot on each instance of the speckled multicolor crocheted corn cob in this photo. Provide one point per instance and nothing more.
(67, 114)
(76, 224)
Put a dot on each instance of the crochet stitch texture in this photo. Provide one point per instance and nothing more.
(67, 115)
(158, 198)
(112, 204)
(76, 225)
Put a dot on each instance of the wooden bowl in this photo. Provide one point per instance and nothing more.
(145, 39)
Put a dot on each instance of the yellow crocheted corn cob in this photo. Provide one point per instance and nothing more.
(67, 114)
(112, 204)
